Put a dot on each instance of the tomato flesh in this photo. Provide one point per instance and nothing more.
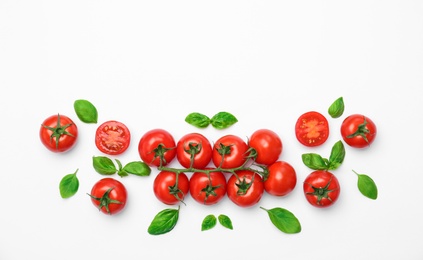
(312, 129)
(112, 137)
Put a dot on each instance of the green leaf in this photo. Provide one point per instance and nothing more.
(137, 168)
(284, 220)
(164, 222)
(315, 161)
(85, 111)
(198, 120)
(223, 120)
(336, 109)
(104, 165)
(208, 222)
(337, 155)
(225, 221)
(367, 186)
(69, 185)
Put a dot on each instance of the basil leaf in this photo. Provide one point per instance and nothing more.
(164, 222)
(225, 221)
(223, 120)
(69, 185)
(104, 165)
(337, 155)
(366, 186)
(85, 111)
(137, 168)
(198, 120)
(284, 220)
(336, 109)
(314, 161)
(208, 222)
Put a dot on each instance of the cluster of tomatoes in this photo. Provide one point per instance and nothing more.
(242, 171)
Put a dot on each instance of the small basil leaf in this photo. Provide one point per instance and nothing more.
(337, 155)
(284, 220)
(315, 161)
(137, 168)
(198, 120)
(69, 185)
(104, 165)
(85, 111)
(225, 221)
(336, 109)
(208, 222)
(367, 186)
(164, 222)
(223, 120)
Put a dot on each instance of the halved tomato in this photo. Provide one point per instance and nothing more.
(112, 137)
(312, 129)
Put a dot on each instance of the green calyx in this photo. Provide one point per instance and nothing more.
(159, 152)
(58, 131)
(361, 131)
(243, 185)
(321, 193)
(210, 190)
(105, 200)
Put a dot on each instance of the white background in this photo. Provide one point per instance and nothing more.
(150, 63)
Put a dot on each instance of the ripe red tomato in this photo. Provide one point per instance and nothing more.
(58, 133)
(267, 144)
(109, 196)
(167, 191)
(281, 180)
(246, 190)
(321, 188)
(196, 145)
(358, 131)
(312, 129)
(207, 189)
(232, 149)
(157, 147)
(112, 137)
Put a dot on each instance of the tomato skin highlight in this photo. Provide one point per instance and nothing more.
(202, 158)
(253, 194)
(166, 179)
(67, 140)
(199, 182)
(356, 128)
(237, 155)
(281, 180)
(118, 193)
(312, 129)
(112, 137)
(326, 183)
(267, 144)
(150, 141)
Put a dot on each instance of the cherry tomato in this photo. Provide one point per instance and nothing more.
(267, 145)
(321, 188)
(109, 196)
(112, 137)
(207, 189)
(58, 133)
(194, 145)
(232, 149)
(358, 131)
(157, 147)
(167, 191)
(312, 129)
(246, 190)
(281, 180)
